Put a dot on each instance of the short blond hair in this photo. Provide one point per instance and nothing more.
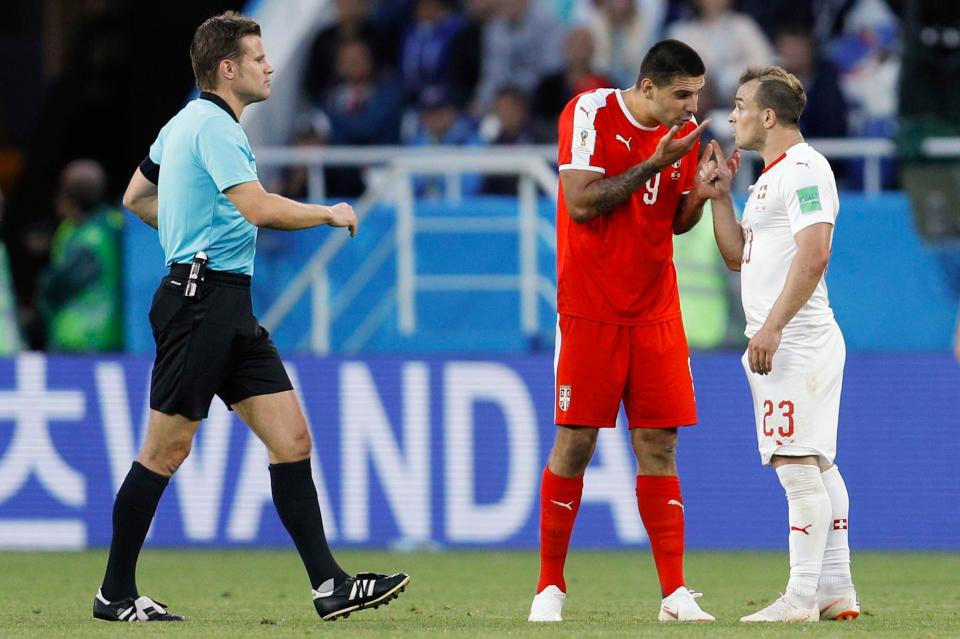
(779, 90)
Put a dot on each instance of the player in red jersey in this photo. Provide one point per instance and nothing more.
(629, 180)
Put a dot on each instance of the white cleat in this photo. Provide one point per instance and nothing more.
(786, 609)
(547, 606)
(842, 607)
(681, 605)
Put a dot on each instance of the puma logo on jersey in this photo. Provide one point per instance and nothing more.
(626, 141)
(803, 530)
(806, 164)
(582, 108)
(674, 502)
(568, 505)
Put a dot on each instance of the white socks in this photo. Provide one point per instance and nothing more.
(809, 511)
(835, 575)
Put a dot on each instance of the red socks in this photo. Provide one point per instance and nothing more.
(661, 509)
(559, 502)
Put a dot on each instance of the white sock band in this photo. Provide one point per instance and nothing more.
(809, 510)
(835, 574)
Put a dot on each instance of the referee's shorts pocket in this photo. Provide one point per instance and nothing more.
(167, 302)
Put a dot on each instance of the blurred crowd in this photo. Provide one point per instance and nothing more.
(383, 72)
(482, 72)
(77, 306)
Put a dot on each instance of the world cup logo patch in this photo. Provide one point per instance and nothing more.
(564, 398)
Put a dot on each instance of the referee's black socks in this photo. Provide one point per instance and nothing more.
(295, 496)
(133, 511)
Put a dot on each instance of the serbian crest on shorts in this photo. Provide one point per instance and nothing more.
(564, 398)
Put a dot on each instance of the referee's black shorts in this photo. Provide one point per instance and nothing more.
(212, 345)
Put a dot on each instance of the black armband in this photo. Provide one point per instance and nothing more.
(150, 170)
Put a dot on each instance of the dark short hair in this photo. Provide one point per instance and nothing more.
(670, 59)
(779, 90)
(218, 39)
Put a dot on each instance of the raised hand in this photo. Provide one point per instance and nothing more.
(670, 148)
(732, 162)
(715, 172)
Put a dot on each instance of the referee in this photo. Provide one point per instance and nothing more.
(199, 188)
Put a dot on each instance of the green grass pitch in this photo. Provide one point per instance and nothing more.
(465, 594)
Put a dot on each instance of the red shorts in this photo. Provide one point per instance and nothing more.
(647, 367)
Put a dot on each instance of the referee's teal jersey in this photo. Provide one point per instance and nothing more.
(201, 152)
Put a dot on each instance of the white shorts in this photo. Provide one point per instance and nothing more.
(797, 406)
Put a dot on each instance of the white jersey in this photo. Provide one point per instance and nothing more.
(795, 191)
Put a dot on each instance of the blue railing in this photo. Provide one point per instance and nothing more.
(887, 288)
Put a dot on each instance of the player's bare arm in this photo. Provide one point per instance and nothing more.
(717, 176)
(728, 233)
(813, 254)
(269, 210)
(141, 198)
(689, 212)
(588, 194)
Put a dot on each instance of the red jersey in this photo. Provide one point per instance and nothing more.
(618, 267)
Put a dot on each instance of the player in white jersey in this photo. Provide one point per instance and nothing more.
(795, 357)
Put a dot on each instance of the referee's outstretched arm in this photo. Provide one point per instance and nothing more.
(273, 211)
(261, 208)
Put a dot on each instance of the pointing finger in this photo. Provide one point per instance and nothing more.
(717, 151)
(735, 157)
(691, 138)
(705, 156)
(699, 130)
